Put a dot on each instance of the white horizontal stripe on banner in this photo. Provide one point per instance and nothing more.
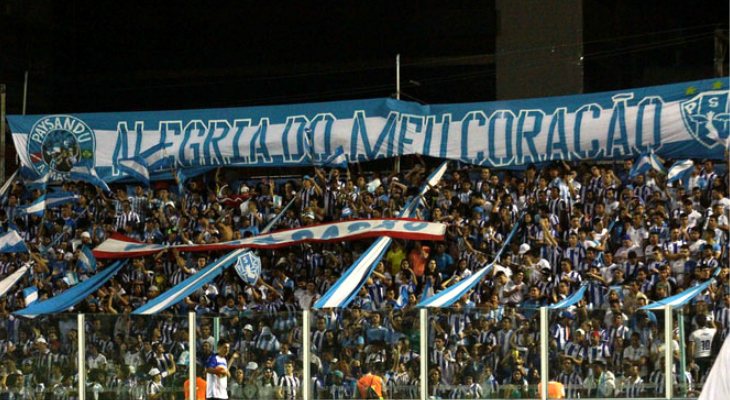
(119, 246)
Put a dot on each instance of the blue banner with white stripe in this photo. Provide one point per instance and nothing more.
(72, 296)
(674, 120)
(453, 293)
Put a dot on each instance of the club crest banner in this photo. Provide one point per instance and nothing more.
(248, 267)
(673, 120)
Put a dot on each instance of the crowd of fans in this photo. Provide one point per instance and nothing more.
(629, 240)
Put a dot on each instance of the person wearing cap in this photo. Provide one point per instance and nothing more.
(598, 350)
(267, 341)
(561, 334)
(154, 388)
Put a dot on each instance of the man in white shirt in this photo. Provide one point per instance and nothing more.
(515, 290)
(700, 344)
(217, 373)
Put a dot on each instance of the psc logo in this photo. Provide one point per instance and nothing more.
(60, 142)
(706, 116)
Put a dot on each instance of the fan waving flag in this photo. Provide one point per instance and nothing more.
(338, 159)
(49, 200)
(680, 170)
(453, 293)
(349, 284)
(88, 174)
(86, 261)
(30, 294)
(570, 300)
(11, 242)
(12, 279)
(6, 186)
(646, 162)
(136, 168)
(38, 182)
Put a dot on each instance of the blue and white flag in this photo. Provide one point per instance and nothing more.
(570, 300)
(71, 278)
(88, 174)
(30, 294)
(86, 261)
(49, 200)
(338, 159)
(6, 186)
(248, 267)
(453, 293)
(646, 162)
(427, 291)
(680, 170)
(38, 182)
(11, 242)
(136, 168)
(346, 288)
(10, 281)
(402, 299)
(679, 300)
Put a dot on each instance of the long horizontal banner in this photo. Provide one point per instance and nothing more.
(119, 246)
(674, 120)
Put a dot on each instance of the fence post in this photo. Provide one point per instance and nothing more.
(192, 365)
(423, 344)
(216, 331)
(544, 352)
(306, 355)
(81, 337)
(668, 353)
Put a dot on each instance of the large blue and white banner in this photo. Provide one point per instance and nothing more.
(674, 120)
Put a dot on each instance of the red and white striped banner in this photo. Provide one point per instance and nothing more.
(120, 246)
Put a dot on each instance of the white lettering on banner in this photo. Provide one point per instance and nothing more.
(117, 247)
(614, 125)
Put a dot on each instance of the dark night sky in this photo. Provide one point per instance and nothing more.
(87, 56)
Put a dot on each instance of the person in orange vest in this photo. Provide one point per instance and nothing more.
(371, 384)
(555, 390)
(199, 385)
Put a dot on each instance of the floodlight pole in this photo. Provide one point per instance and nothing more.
(2, 133)
(25, 91)
(397, 97)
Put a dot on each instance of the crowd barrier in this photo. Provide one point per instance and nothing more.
(469, 353)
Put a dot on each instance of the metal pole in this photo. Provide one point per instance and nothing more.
(192, 365)
(216, 330)
(397, 76)
(668, 357)
(397, 97)
(719, 53)
(544, 352)
(25, 92)
(682, 356)
(81, 337)
(2, 133)
(423, 345)
(307, 356)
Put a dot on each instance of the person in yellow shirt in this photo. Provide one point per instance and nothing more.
(395, 257)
